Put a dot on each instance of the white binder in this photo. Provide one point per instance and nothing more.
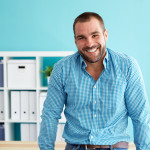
(1, 105)
(32, 132)
(28, 132)
(15, 105)
(59, 133)
(42, 99)
(24, 105)
(60, 129)
(63, 118)
(25, 136)
(32, 106)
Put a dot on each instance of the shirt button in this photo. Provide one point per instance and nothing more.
(91, 137)
(95, 86)
(94, 115)
(95, 102)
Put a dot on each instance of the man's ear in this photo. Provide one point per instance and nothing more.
(106, 35)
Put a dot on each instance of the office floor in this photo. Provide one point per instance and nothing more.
(17, 145)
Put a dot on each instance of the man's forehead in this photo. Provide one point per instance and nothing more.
(89, 21)
(88, 28)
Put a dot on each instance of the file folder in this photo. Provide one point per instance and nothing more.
(1, 75)
(24, 105)
(59, 133)
(15, 105)
(42, 99)
(28, 132)
(33, 132)
(63, 118)
(25, 136)
(1, 105)
(32, 105)
(60, 129)
(2, 133)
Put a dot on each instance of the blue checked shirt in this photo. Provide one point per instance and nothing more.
(96, 111)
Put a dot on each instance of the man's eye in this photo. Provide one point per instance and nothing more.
(80, 38)
(94, 35)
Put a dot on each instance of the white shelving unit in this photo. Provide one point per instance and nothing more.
(39, 57)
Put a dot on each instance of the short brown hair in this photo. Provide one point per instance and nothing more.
(86, 16)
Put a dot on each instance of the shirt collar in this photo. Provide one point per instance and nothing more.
(82, 62)
(105, 59)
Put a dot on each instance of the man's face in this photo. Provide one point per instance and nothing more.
(90, 39)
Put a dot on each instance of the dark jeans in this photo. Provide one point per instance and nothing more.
(77, 147)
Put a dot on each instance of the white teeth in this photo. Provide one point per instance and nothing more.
(93, 50)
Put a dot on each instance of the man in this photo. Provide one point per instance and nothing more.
(100, 88)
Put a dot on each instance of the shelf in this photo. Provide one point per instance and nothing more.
(36, 53)
(43, 88)
(1, 121)
(42, 60)
(60, 121)
(13, 88)
(40, 88)
(21, 121)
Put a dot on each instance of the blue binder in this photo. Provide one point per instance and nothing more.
(2, 136)
(1, 74)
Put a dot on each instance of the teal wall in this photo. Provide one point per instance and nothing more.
(46, 25)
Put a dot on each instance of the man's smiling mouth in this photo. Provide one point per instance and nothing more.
(92, 50)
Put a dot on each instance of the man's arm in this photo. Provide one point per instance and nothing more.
(138, 106)
(52, 109)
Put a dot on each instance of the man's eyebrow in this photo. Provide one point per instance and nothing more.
(78, 36)
(96, 32)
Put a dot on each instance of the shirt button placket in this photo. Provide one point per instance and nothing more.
(94, 101)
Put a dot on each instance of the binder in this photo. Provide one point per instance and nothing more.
(25, 132)
(63, 118)
(2, 135)
(33, 132)
(28, 132)
(24, 105)
(15, 105)
(1, 75)
(1, 105)
(59, 133)
(60, 129)
(32, 106)
(42, 99)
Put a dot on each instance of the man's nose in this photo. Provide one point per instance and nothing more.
(89, 42)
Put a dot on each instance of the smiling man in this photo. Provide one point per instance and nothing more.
(90, 39)
(100, 89)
